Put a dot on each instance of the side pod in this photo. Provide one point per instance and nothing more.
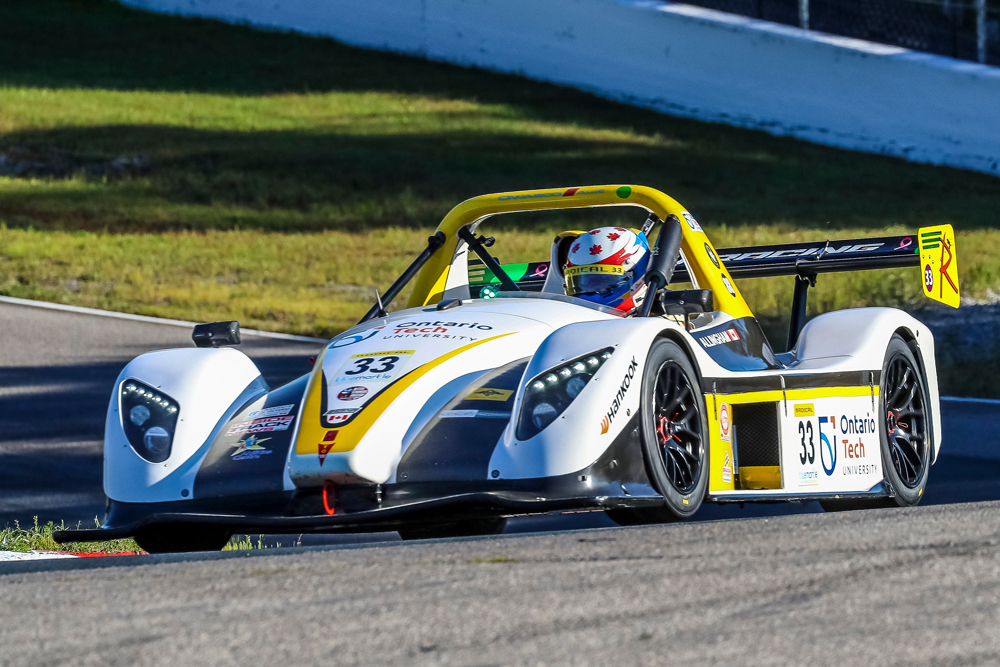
(862, 335)
(207, 386)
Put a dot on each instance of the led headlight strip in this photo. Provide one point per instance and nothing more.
(548, 394)
(149, 418)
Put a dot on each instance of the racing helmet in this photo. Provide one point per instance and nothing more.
(606, 266)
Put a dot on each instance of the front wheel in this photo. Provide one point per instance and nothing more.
(673, 435)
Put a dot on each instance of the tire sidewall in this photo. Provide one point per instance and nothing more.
(682, 505)
(904, 495)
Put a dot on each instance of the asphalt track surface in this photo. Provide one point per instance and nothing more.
(919, 586)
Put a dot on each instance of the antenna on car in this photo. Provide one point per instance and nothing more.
(382, 312)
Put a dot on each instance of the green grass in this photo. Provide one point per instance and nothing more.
(199, 170)
(39, 538)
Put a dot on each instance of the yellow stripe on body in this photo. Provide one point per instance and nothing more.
(311, 430)
(795, 394)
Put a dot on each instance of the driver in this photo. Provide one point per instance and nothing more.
(607, 266)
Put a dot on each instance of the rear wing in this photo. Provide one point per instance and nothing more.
(812, 258)
(932, 248)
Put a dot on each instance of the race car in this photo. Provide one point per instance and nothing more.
(497, 393)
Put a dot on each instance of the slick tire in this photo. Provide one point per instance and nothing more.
(181, 538)
(673, 436)
(904, 432)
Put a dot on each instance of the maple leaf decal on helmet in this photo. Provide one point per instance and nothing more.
(576, 247)
(595, 250)
(614, 237)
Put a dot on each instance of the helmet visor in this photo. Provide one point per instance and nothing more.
(593, 279)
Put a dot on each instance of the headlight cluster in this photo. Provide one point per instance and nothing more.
(551, 392)
(149, 418)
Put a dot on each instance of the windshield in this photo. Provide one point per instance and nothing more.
(559, 297)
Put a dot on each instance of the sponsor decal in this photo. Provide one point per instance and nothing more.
(535, 195)
(807, 444)
(937, 254)
(808, 477)
(860, 469)
(622, 392)
(325, 446)
(577, 191)
(341, 415)
(712, 256)
(856, 426)
(472, 414)
(436, 329)
(859, 425)
(854, 450)
(692, 223)
(719, 338)
(264, 425)
(729, 285)
(595, 268)
(352, 393)
(727, 469)
(276, 411)
(356, 338)
(489, 394)
(249, 448)
(725, 424)
(439, 323)
(827, 449)
(373, 367)
(605, 424)
(800, 252)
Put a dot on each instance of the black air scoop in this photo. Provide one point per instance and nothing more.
(457, 444)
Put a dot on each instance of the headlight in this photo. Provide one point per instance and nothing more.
(149, 418)
(548, 394)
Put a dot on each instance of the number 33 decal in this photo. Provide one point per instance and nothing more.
(808, 452)
(364, 365)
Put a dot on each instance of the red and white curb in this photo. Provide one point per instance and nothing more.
(12, 556)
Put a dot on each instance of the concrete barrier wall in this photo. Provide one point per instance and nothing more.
(682, 60)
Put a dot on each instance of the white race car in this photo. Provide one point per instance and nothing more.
(499, 395)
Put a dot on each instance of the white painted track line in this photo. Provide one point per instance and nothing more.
(145, 318)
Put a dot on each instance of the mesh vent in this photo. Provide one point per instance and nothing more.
(755, 434)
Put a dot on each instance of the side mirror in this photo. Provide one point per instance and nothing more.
(685, 302)
(215, 334)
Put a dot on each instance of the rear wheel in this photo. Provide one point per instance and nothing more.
(904, 431)
(673, 434)
(181, 538)
(464, 528)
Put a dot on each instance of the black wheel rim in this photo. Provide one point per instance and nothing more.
(677, 425)
(905, 421)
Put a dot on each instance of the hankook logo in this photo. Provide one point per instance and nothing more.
(619, 397)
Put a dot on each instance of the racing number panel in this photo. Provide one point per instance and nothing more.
(825, 436)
